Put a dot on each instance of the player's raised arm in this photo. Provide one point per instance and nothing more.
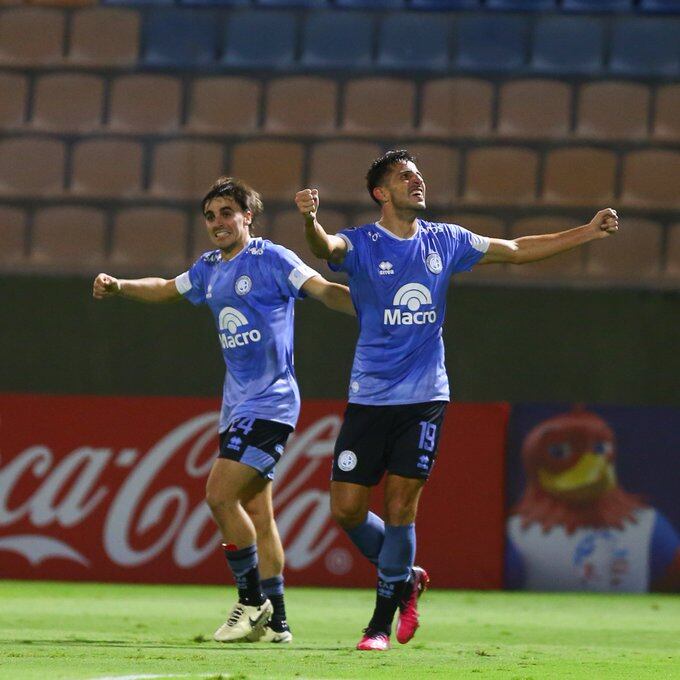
(151, 289)
(532, 248)
(323, 245)
(333, 295)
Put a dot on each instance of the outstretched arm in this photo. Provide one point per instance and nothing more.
(152, 289)
(533, 248)
(333, 295)
(323, 245)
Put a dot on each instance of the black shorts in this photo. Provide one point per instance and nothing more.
(255, 442)
(400, 439)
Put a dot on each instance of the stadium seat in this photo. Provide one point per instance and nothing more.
(13, 91)
(216, 3)
(579, 176)
(379, 106)
(337, 39)
(534, 108)
(183, 169)
(667, 113)
(46, 30)
(68, 238)
(338, 169)
(633, 254)
(274, 168)
(440, 167)
(407, 41)
(12, 237)
(293, 3)
(150, 240)
(274, 47)
(444, 5)
(182, 38)
(303, 105)
(145, 103)
(104, 36)
(567, 44)
(592, 6)
(456, 107)
(370, 4)
(484, 225)
(651, 179)
(500, 175)
(107, 167)
(569, 264)
(201, 243)
(68, 102)
(521, 5)
(613, 110)
(660, 6)
(672, 268)
(491, 42)
(645, 47)
(30, 165)
(223, 104)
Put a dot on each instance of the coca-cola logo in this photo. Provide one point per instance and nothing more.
(150, 503)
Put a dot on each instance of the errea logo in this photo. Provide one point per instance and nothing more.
(230, 320)
(412, 296)
(385, 268)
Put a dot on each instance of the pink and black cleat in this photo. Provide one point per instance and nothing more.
(374, 641)
(407, 623)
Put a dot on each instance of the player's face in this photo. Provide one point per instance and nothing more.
(406, 187)
(227, 223)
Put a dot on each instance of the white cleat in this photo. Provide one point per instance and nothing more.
(268, 634)
(244, 620)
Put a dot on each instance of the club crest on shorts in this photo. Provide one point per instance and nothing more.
(347, 461)
(243, 285)
(434, 263)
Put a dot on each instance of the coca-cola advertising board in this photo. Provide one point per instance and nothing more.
(112, 489)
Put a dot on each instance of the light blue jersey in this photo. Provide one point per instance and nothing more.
(252, 297)
(399, 288)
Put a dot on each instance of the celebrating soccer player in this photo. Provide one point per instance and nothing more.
(399, 269)
(250, 285)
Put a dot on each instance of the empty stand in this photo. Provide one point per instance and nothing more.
(439, 166)
(104, 36)
(256, 39)
(456, 107)
(107, 167)
(185, 169)
(522, 5)
(651, 178)
(660, 6)
(613, 110)
(200, 241)
(68, 102)
(597, 5)
(534, 108)
(491, 42)
(290, 3)
(445, 4)
(337, 40)
(31, 166)
(301, 105)
(667, 119)
(181, 37)
(379, 106)
(68, 238)
(501, 175)
(568, 44)
(672, 268)
(338, 170)
(579, 176)
(46, 30)
(407, 41)
(633, 253)
(12, 236)
(150, 240)
(371, 4)
(145, 103)
(645, 47)
(13, 92)
(274, 168)
(223, 104)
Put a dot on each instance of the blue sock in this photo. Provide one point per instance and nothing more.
(243, 564)
(369, 537)
(273, 589)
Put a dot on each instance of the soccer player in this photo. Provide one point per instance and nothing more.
(399, 269)
(250, 285)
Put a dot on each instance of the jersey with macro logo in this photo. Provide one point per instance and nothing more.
(399, 288)
(252, 297)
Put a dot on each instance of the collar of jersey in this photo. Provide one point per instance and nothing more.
(240, 252)
(394, 236)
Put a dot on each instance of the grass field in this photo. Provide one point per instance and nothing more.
(59, 630)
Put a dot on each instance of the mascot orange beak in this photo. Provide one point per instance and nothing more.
(582, 483)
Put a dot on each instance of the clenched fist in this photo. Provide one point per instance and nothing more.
(307, 202)
(105, 286)
(606, 222)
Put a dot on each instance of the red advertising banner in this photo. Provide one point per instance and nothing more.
(112, 489)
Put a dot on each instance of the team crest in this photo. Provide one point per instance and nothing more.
(347, 461)
(434, 263)
(243, 285)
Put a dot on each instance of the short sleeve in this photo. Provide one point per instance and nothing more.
(290, 272)
(348, 264)
(191, 284)
(468, 248)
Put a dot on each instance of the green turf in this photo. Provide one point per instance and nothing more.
(58, 630)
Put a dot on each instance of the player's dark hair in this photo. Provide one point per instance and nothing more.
(230, 187)
(381, 166)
